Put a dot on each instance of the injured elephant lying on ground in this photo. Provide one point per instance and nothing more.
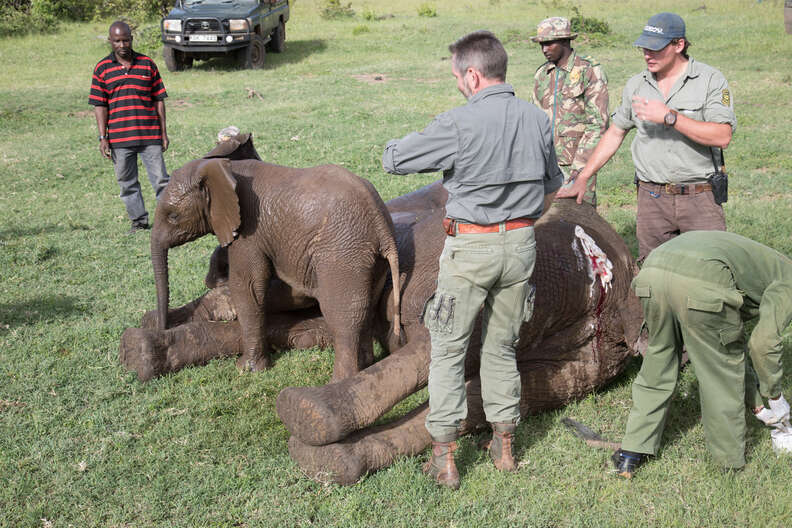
(580, 337)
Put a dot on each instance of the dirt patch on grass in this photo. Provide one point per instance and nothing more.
(178, 104)
(81, 114)
(7, 404)
(372, 78)
(381, 78)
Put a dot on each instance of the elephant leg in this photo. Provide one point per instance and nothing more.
(214, 305)
(329, 413)
(151, 352)
(377, 447)
(249, 290)
(345, 300)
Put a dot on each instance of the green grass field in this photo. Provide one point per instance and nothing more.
(83, 443)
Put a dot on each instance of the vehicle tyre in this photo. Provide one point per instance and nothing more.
(176, 60)
(253, 55)
(278, 42)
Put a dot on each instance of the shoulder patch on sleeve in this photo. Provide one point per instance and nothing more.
(726, 97)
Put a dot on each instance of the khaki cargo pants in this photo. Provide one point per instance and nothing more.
(696, 303)
(488, 270)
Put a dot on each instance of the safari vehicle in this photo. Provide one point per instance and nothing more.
(202, 29)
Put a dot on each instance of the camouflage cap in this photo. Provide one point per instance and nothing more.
(553, 28)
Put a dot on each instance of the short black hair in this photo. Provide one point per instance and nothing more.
(483, 51)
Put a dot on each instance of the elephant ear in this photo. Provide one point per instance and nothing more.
(239, 147)
(224, 217)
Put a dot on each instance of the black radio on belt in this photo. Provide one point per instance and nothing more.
(719, 179)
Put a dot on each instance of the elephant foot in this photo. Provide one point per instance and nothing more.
(247, 363)
(365, 451)
(339, 463)
(329, 413)
(313, 414)
(144, 352)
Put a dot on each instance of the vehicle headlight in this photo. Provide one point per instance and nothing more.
(172, 25)
(237, 25)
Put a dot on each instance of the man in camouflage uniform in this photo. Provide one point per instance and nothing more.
(573, 91)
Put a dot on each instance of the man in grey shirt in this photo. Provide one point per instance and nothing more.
(501, 173)
(683, 113)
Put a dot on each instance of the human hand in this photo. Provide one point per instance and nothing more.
(104, 148)
(165, 142)
(651, 110)
(576, 191)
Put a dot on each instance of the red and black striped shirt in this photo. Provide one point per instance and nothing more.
(130, 96)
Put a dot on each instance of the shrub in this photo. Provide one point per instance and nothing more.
(147, 41)
(24, 16)
(583, 24)
(134, 9)
(427, 10)
(368, 14)
(362, 28)
(335, 9)
(19, 17)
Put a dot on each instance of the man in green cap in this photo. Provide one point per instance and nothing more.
(683, 113)
(696, 291)
(573, 92)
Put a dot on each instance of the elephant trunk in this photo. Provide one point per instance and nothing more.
(159, 262)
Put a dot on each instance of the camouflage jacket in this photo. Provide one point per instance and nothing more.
(578, 108)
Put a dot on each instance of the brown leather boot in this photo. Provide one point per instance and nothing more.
(441, 465)
(500, 448)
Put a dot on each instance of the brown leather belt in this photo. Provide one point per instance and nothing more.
(452, 227)
(679, 188)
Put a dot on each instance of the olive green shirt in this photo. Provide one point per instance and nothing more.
(762, 276)
(660, 153)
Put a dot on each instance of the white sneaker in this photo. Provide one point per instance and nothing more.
(782, 440)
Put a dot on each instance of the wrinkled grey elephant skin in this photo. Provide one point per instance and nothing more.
(323, 231)
(580, 338)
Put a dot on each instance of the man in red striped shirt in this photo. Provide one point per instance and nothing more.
(128, 97)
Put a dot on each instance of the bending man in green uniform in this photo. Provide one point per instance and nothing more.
(500, 171)
(573, 92)
(697, 290)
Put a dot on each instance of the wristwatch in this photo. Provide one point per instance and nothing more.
(103, 137)
(670, 118)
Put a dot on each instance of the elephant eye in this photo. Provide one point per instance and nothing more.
(173, 218)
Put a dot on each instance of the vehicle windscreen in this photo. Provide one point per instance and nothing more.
(193, 3)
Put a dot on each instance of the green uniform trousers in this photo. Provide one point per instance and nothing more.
(488, 270)
(695, 303)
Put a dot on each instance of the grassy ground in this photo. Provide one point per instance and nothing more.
(82, 443)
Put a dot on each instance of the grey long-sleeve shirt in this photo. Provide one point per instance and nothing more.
(496, 154)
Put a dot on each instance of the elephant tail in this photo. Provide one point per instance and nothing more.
(392, 255)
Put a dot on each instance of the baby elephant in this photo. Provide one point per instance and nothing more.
(321, 233)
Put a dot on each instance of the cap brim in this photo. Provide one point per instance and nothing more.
(537, 38)
(653, 43)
